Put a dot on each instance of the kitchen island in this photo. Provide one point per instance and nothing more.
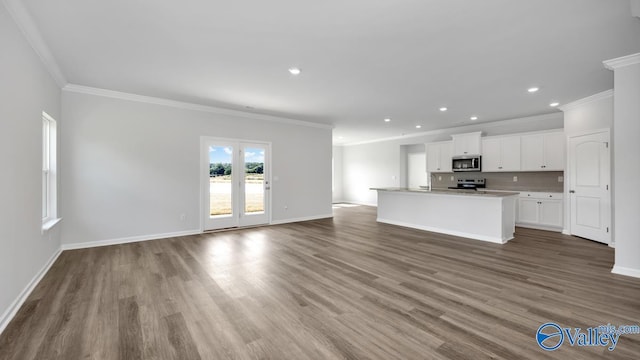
(482, 215)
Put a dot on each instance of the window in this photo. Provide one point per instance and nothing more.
(49, 213)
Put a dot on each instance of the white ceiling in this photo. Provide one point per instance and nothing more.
(361, 60)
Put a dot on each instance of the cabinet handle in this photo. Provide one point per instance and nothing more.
(499, 167)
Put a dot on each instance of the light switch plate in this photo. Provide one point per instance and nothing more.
(560, 178)
(439, 178)
(452, 178)
(515, 179)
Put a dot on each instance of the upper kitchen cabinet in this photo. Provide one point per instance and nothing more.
(439, 156)
(501, 154)
(467, 144)
(543, 152)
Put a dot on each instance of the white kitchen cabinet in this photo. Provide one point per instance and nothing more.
(528, 211)
(540, 210)
(467, 144)
(501, 154)
(543, 152)
(439, 156)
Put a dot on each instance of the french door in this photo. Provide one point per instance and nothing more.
(235, 183)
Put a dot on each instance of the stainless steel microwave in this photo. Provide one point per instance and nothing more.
(466, 163)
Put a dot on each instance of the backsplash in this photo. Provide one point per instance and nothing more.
(546, 181)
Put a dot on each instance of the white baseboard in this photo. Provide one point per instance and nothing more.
(126, 240)
(495, 240)
(360, 203)
(307, 218)
(540, 227)
(8, 315)
(626, 271)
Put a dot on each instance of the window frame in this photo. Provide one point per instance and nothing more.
(49, 172)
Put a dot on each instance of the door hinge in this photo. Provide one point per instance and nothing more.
(606, 144)
(607, 186)
(607, 229)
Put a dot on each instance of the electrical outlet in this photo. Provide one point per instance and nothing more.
(286, 207)
(515, 179)
(183, 217)
(439, 177)
(560, 178)
(452, 179)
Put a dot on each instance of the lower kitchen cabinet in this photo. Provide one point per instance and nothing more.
(540, 210)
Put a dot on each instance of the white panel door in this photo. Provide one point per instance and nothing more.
(416, 170)
(589, 176)
(235, 183)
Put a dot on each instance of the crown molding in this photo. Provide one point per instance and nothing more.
(467, 128)
(29, 29)
(588, 99)
(81, 89)
(622, 61)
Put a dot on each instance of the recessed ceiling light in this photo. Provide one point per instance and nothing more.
(554, 104)
(418, 126)
(387, 119)
(474, 118)
(443, 109)
(533, 89)
(294, 71)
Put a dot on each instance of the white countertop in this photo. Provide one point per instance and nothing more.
(484, 193)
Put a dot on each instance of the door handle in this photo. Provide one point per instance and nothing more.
(572, 191)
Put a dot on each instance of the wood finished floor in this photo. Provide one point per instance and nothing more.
(347, 288)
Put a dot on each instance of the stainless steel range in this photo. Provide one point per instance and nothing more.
(470, 184)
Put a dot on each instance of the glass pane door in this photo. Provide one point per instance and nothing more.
(219, 184)
(220, 180)
(234, 183)
(254, 180)
(255, 184)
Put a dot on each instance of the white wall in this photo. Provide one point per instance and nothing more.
(26, 89)
(370, 165)
(627, 170)
(592, 113)
(383, 163)
(131, 168)
(337, 174)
